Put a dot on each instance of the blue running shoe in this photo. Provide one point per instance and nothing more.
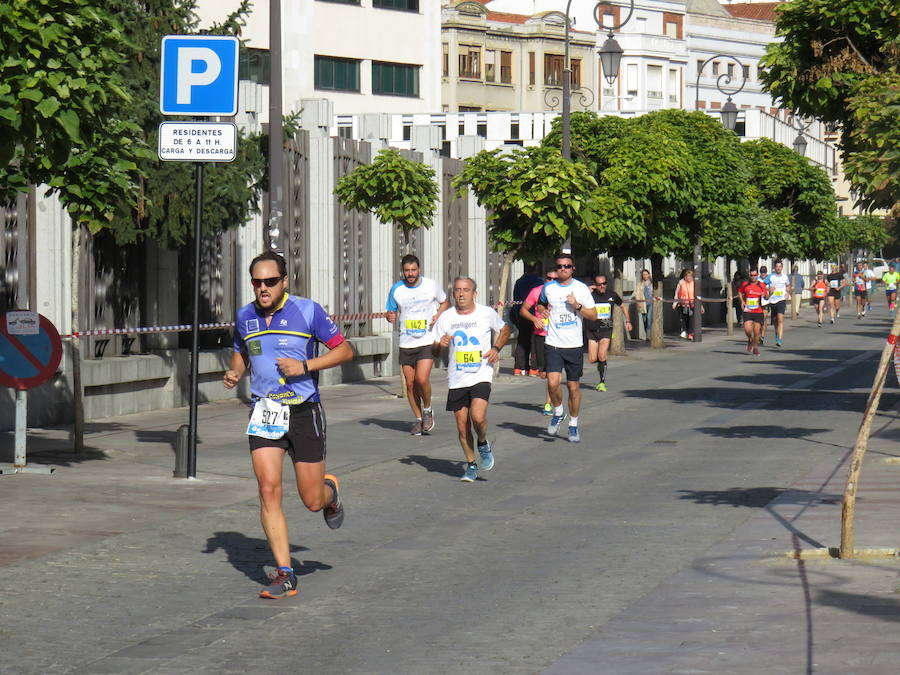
(555, 421)
(470, 474)
(485, 457)
(777, 342)
(573, 435)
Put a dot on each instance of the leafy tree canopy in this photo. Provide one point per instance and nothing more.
(535, 198)
(61, 93)
(840, 62)
(396, 189)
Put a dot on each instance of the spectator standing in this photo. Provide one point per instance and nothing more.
(645, 303)
(797, 287)
(524, 354)
(685, 301)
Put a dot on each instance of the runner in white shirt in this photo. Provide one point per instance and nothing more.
(779, 285)
(465, 330)
(567, 301)
(414, 304)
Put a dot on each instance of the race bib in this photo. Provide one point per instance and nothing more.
(604, 311)
(415, 326)
(752, 303)
(891, 287)
(834, 283)
(269, 419)
(469, 360)
(820, 292)
(565, 319)
(778, 295)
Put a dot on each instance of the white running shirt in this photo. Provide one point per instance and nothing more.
(564, 329)
(471, 341)
(778, 284)
(415, 305)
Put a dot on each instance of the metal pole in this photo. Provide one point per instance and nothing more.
(698, 283)
(21, 427)
(195, 327)
(276, 129)
(567, 108)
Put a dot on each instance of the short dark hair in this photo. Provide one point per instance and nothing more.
(409, 259)
(564, 256)
(274, 257)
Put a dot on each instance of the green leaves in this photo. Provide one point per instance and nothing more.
(534, 198)
(396, 189)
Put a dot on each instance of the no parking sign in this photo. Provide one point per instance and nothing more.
(30, 350)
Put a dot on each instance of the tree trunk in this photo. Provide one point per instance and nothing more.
(508, 259)
(697, 319)
(77, 385)
(656, 328)
(617, 343)
(729, 297)
(862, 442)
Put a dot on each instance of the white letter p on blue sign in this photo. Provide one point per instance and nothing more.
(198, 75)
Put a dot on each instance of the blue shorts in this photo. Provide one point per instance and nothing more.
(569, 358)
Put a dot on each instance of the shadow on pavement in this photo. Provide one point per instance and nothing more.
(432, 465)
(766, 431)
(249, 554)
(55, 453)
(393, 425)
(530, 407)
(879, 607)
(529, 431)
(758, 497)
(160, 436)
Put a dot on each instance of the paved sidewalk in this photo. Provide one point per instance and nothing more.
(745, 606)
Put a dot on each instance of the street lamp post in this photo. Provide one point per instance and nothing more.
(276, 130)
(610, 58)
(800, 125)
(729, 115)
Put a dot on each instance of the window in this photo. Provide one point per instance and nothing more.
(672, 25)
(404, 5)
(631, 78)
(674, 86)
(514, 130)
(576, 73)
(654, 82)
(746, 70)
(470, 62)
(490, 65)
(609, 15)
(715, 67)
(255, 65)
(553, 69)
(336, 74)
(700, 63)
(730, 70)
(345, 132)
(395, 79)
(531, 68)
(445, 60)
(506, 67)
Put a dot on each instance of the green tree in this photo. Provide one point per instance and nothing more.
(396, 189)
(840, 62)
(62, 91)
(535, 200)
(864, 233)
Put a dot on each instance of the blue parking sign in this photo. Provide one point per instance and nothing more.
(199, 75)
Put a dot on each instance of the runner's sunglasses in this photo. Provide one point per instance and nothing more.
(270, 282)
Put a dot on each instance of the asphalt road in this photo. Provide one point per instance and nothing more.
(428, 574)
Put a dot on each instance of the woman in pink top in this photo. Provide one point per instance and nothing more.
(684, 302)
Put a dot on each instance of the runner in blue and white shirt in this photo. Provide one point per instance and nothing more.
(414, 304)
(567, 301)
(277, 336)
(779, 285)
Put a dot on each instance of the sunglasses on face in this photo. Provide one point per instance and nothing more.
(270, 282)
(600, 283)
(565, 266)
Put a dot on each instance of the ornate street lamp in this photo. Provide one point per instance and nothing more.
(800, 125)
(610, 58)
(729, 111)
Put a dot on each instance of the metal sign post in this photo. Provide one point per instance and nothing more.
(198, 77)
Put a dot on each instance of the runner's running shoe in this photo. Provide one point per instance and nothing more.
(416, 428)
(555, 421)
(574, 437)
(777, 342)
(470, 474)
(283, 585)
(485, 457)
(427, 420)
(334, 513)
(601, 386)
(548, 409)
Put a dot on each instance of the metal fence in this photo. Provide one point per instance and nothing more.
(15, 254)
(296, 213)
(352, 231)
(455, 222)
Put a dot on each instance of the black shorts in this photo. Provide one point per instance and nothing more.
(305, 439)
(569, 358)
(758, 317)
(860, 294)
(834, 293)
(817, 301)
(598, 333)
(777, 307)
(409, 356)
(460, 398)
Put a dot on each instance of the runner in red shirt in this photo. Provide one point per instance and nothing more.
(818, 293)
(752, 293)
